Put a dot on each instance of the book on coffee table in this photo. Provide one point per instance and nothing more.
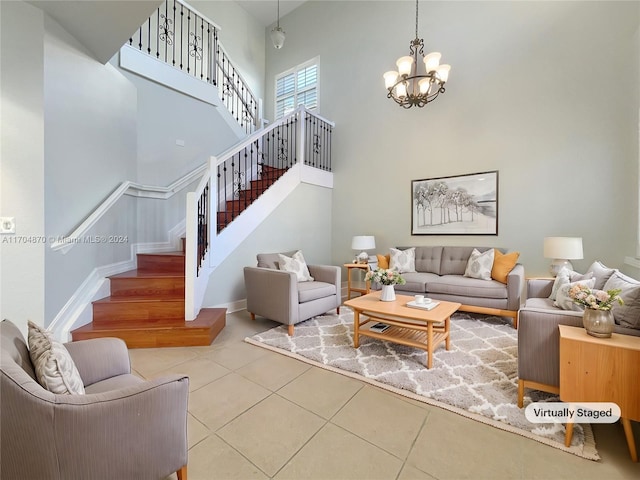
(423, 306)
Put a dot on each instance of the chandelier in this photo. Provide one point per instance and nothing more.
(409, 89)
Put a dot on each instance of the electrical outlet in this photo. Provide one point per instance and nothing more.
(7, 225)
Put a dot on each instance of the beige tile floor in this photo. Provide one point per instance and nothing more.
(257, 414)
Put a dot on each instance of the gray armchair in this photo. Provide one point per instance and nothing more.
(277, 295)
(123, 427)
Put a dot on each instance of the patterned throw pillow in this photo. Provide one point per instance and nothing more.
(564, 301)
(297, 265)
(52, 363)
(480, 264)
(403, 261)
(627, 315)
(565, 276)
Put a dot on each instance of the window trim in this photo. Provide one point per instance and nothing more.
(295, 70)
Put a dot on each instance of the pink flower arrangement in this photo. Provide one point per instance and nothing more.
(595, 299)
(384, 277)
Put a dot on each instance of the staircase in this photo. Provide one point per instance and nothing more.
(146, 307)
(233, 208)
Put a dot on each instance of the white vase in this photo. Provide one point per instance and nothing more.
(388, 294)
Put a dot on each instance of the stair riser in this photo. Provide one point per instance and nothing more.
(114, 314)
(149, 263)
(126, 287)
(200, 332)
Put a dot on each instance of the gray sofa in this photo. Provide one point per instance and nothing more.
(440, 275)
(539, 338)
(123, 427)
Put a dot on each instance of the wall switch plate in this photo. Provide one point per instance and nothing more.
(7, 225)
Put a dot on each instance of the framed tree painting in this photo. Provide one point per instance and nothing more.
(458, 205)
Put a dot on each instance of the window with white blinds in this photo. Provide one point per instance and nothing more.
(298, 86)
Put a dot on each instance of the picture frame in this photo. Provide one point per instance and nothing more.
(456, 205)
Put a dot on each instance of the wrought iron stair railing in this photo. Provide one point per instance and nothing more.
(182, 37)
(237, 178)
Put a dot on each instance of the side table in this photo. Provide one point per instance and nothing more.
(350, 288)
(596, 369)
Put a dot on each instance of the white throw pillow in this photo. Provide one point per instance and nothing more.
(565, 276)
(297, 265)
(52, 363)
(480, 264)
(403, 261)
(564, 301)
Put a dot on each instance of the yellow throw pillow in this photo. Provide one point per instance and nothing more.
(503, 263)
(383, 261)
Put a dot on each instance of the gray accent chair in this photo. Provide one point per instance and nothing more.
(123, 427)
(539, 338)
(277, 295)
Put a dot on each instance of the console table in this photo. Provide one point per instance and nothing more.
(601, 370)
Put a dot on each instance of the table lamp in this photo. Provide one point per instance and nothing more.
(561, 250)
(363, 242)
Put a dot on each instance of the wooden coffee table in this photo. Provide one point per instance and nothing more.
(423, 329)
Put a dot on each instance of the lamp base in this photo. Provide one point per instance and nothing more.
(558, 264)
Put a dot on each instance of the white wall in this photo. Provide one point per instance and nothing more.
(302, 221)
(90, 148)
(544, 92)
(22, 281)
(242, 37)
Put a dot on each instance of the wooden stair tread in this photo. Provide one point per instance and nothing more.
(142, 274)
(168, 254)
(178, 333)
(140, 299)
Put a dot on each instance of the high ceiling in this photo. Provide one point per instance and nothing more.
(265, 11)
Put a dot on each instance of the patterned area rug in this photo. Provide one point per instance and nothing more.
(477, 378)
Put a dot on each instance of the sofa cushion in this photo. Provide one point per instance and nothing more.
(295, 264)
(308, 291)
(628, 314)
(503, 263)
(54, 367)
(272, 260)
(465, 286)
(114, 383)
(564, 301)
(480, 264)
(416, 282)
(403, 260)
(428, 259)
(601, 273)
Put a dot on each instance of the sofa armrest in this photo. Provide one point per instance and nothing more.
(326, 273)
(100, 358)
(539, 287)
(515, 286)
(272, 294)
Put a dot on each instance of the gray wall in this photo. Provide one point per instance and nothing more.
(22, 281)
(544, 92)
(90, 148)
(302, 221)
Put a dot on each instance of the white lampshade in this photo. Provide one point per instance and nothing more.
(443, 72)
(390, 79)
(404, 65)
(425, 85)
(401, 90)
(432, 61)
(561, 250)
(277, 37)
(363, 242)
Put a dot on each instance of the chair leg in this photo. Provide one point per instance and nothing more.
(338, 310)
(253, 315)
(520, 393)
(290, 330)
(182, 473)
